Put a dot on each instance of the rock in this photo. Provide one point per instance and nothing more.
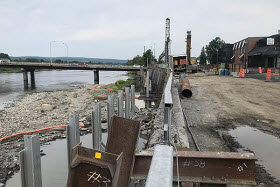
(83, 119)
(101, 97)
(1, 184)
(144, 118)
(47, 107)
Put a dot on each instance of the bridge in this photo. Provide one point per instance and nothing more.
(30, 67)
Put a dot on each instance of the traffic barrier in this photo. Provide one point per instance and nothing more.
(242, 73)
(268, 75)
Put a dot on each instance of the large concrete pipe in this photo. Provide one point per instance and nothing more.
(186, 88)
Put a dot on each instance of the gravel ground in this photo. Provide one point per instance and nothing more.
(28, 114)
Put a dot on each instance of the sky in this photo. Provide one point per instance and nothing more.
(120, 29)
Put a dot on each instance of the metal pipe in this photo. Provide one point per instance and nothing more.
(161, 169)
(186, 88)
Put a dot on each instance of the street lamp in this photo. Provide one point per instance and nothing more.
(66, 49)
(51, 52)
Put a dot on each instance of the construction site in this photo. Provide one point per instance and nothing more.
(190, 126)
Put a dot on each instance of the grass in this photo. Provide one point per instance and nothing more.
(10, 70)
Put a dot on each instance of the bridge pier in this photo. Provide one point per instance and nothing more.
(96, 76)
(25, 79)
(32, 75)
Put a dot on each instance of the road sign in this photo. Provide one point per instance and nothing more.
(270, 41)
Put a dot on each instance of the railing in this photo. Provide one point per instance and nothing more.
(161, 169)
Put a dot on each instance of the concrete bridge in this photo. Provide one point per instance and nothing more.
(30, 67)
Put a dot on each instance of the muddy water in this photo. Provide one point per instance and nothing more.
(54, 163)
(266, 147)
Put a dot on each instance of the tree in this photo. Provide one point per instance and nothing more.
(203, 56)
(147, 56)
(31, 60)
(3, 55)
(58, 61)
(214, 50)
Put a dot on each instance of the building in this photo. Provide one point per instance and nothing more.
(227, 53)
(266, 53)
(4, 60)
(242, 48)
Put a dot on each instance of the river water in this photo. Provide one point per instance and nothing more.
(11, 84)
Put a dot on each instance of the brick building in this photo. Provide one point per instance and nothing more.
(242, 48)
(266, 53)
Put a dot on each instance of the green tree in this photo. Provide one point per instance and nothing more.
(214, 50)
(31, 60)
(203, 56)
(58, 61)
(3, 55)
(42, 60)
(147, 56)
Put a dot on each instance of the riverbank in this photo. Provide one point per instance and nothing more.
(10, 70)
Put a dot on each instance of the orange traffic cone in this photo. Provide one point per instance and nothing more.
(268, 75)
(260, 70)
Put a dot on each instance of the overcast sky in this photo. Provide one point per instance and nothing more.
(121, 28)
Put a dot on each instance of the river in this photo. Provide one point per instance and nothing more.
(11, 84)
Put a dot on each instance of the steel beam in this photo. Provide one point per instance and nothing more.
(110, 109)
(73, 134)
(96, 126)
(93, 168)
(122, 138)
(127, 102)
(161, 169)
(30, 162)
(167, 92)
(133, 100)
(204, 167)
(120, 104)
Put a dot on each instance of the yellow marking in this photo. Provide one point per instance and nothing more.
(97, 155)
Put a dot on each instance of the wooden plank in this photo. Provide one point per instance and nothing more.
(123, 138)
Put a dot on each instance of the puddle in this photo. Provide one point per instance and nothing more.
(54, 163)
(266, 147)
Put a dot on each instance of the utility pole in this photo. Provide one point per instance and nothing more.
(51, 52)
(66, 50)
(154, 49)
(167, 40)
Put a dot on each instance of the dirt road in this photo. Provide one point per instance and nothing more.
(222, 103)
